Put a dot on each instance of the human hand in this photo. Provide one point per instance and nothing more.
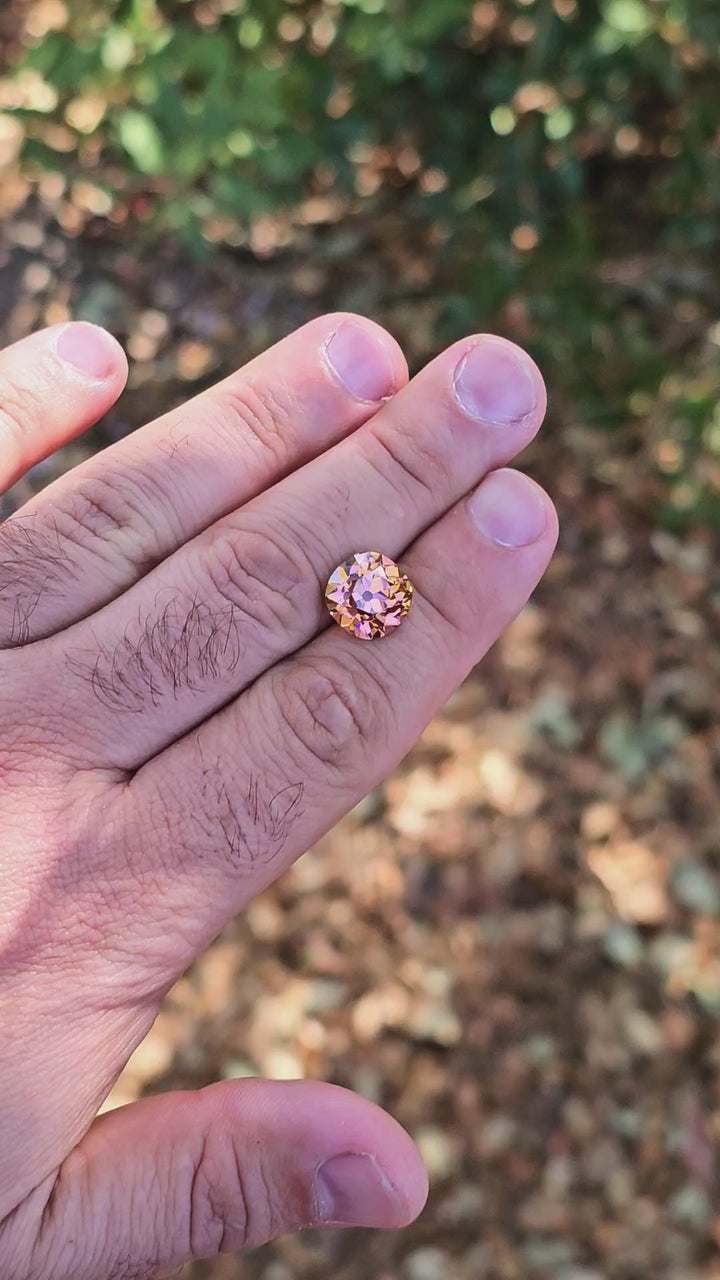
(179, 725)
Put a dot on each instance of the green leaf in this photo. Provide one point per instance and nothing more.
(141, 139)
(628, 17)
(117, 49)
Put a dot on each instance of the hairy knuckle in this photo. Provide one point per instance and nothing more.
(255, 573)
(185, 644)
(331, 718)
(240, 819)
(32, 566)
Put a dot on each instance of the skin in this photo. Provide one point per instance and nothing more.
(180, 721)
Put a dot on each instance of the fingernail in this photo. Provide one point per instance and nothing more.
(88, 348)
(494, 383)
(509, 509)
(352, 1191)
(361, 363)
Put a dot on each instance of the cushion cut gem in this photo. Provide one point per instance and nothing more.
(368, 595)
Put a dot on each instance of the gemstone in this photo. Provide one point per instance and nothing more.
(368, 595)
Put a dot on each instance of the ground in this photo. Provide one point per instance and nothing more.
(514, 944)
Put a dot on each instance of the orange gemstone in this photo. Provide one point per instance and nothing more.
(368, 595)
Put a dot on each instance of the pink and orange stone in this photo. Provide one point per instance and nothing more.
(368, 595)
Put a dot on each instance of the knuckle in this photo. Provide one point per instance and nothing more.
(254, 572)
(219, 1207)
(263, 413)
(332, 718)
(182, 645)
(99, 513)
(95, 508)
(416, 462)
(21, 409)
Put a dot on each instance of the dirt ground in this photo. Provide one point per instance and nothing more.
(514, 944)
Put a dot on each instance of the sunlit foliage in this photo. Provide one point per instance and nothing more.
(560, 158)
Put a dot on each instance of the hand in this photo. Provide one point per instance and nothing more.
(179, 724)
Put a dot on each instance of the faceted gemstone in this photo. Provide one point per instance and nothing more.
(368, 595)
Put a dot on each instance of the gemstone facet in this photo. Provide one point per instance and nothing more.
(368, 595)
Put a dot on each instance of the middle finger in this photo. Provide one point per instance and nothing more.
(247, 592)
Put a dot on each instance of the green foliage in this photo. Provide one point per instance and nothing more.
(537, 140)
(142, 140)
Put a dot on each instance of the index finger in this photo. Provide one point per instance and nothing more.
(53, 385)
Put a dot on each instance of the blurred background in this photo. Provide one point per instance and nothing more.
(514, 944)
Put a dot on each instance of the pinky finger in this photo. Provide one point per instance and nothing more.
(54, 384)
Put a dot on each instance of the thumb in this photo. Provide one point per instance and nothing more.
(184, 1176)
